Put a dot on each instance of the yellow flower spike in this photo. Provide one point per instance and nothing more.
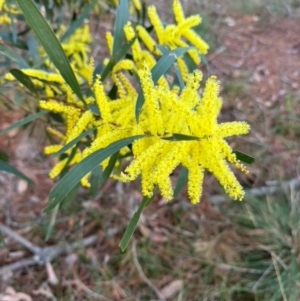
(57, 169)
(105, 140)
(82, 124)
(51, 149)
(90, 72)
(210, 103)
(129, 89)
(137, 4)
(189, 94)
(147, 39)
(157, 24)
(193, 53)
(135, 48)
(55, 133)
(195, 40)
(195, 180)
(178, 11)
(187, 24)
(52, 105)
(101, 99)
(70, 116)
(146, 159)
(183, 68)
(109, 41)
(233, 128)
(123, 65)
(151, 108)
(49, 92)
(121, 90)
(85, 181)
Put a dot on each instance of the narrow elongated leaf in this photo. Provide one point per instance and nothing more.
(120, 20)
(6, 167)
(54, 212)
(181, 181)
(108, 170)
(72, 142)
(163, 64)
(77, 23)
(50, 43)
(132, 224)
(24, 121)
(70, 180)
(163, 49)
(244, 158)
(13, 57)
(116, 58)
(95, 180)
(181, 137)
(23, 79)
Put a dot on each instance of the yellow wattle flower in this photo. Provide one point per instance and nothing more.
(189, 114)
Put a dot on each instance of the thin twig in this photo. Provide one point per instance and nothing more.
(18, 238)
(41, 255)
(261, 191)
(142, 274)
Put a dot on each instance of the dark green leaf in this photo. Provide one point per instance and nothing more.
(181, 181)
(118, 56)
(120, 20)
(108, 170)
(72, 142)
(49, 41)
(243, 157)
(181, 137)
(3, 156)
(13, 56)
(24, 79)
(163, 64)
(77, 23)
(52, 221)
(132, 224)
(95, 180)
(5, 167)
(72, 178)
(24, 121)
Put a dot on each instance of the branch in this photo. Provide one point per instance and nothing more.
(261, 191)
(41, 255)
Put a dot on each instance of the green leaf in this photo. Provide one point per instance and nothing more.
(181, 181)
(24, 79)
(24, 121)
(77, 23)
(163, 64)
(5, 167)
(70, 180)
(72, 142)
(118, 56)
(120, 20)
(181, 137)
(108, 170)
(95, 180)
(51, 225)
(164, 50)
(13, 57)
(243, 157)
(132, 224)
(49, 41)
